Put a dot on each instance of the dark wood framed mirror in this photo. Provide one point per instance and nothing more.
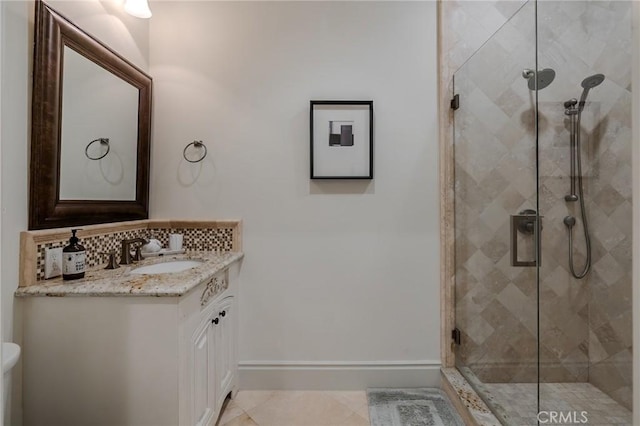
(90, 108)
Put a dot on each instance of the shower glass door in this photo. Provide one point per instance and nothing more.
(542, 153)
(495, 217)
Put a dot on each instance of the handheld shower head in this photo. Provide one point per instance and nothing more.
(592, 81)
(588, 84)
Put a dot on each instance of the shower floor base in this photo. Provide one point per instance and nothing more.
(516, 403)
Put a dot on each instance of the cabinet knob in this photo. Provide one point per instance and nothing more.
(223, 313)
(215, 321)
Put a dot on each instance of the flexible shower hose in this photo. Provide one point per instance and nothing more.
(583, 209)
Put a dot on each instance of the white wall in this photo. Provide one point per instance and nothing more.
(105, 20)
(13, 151)
(15, 113)
(336, 274)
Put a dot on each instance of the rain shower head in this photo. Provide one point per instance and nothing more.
(543, 78)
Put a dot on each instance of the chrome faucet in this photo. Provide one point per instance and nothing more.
(125, 251)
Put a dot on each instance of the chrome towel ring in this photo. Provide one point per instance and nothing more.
(103, 141)
(196, 144)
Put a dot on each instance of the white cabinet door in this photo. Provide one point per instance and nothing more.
(203, 375)
(225, 345)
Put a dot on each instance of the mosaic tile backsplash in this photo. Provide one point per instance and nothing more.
(210, 239)
(94, 246)
(196, 239)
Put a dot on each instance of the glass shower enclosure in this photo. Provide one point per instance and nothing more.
(542, 154)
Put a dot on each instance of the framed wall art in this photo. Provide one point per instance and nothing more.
(341, 139)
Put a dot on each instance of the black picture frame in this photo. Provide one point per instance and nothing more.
(347, 137)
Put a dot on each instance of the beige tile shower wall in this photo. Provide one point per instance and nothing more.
(585, 325)
(464, 27)
(495, 178)
(489, 340)
(99, 239)
(595, 37)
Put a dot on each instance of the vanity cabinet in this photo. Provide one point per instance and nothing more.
(131, 360)
(226, 360)
(213, 372)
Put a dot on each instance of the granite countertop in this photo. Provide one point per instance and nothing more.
(120, 282)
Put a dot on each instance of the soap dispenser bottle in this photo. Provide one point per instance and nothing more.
(73, 259)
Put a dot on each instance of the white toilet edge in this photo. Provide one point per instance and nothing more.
(10, 356)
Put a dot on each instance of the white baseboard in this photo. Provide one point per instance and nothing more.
(337, 375)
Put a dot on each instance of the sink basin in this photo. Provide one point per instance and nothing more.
(167, 267)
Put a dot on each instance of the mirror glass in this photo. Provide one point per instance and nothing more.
(99, 132)
(91, 129)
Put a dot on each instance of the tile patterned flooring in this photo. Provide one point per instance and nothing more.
(516, 402)
(296, 408)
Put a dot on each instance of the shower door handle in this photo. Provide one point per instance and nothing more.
(525, 223)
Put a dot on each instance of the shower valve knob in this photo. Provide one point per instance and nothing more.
(527, 222)
(569, 221)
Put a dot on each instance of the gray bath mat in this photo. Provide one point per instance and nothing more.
(411, 407)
